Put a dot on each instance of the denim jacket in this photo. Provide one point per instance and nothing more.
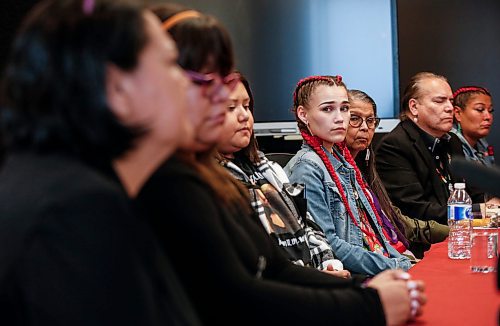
(480, 153)
(326, 206)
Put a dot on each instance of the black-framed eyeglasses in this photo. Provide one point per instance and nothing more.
(356, 121)
(201, 79)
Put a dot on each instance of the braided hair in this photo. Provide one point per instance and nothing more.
(305, 88)
(462, 95)
(303, 91)
(367, 167)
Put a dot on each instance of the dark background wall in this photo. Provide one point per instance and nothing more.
(278, 42)
(457, 39)
(11, 13)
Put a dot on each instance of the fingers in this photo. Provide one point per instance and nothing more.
(414, 308)
(342, 274)
(401, 275)
(412, 285)
(417, 301)
(420, 285)
(417, 297)
(396, 301)
(397, 274)
(416, 285)
(422, 300)
(388, 275)
(416, 289)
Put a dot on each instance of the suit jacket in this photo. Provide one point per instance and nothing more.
(72, 252)
(408, 172)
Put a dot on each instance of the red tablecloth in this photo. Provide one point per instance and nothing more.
(455, 295)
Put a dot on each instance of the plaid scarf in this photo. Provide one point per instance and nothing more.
(321, 254)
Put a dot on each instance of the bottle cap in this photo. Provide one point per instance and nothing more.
(460, 185)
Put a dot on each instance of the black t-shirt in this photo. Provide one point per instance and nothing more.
(282, 217)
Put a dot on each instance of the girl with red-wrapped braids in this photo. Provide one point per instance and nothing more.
(336, 193)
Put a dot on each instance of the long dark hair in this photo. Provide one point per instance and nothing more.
(365, 160)
(212, 41)
(369, 171)
(53, 95)
(203, 41)
(251, 151)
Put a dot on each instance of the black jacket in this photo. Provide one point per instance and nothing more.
(408, 172)
(232, 269)
(72, 252)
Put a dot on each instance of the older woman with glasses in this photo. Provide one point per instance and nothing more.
(415, 234)
(356, 121)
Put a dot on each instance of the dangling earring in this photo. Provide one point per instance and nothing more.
(308, 128)
(415, 119)
(367, 158)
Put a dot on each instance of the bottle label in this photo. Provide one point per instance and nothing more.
(459, 212)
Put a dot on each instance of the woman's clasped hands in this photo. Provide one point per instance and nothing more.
(402, 298)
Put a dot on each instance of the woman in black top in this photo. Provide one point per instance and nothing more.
(231, 268)
(91, 88)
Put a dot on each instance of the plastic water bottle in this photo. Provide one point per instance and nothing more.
(460, 222)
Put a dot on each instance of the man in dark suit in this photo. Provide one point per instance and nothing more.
(413, 160)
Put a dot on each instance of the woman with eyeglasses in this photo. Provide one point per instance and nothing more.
(233, 271)
(414, 234)
(207, 62)
(362, 124)
(337, 195)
